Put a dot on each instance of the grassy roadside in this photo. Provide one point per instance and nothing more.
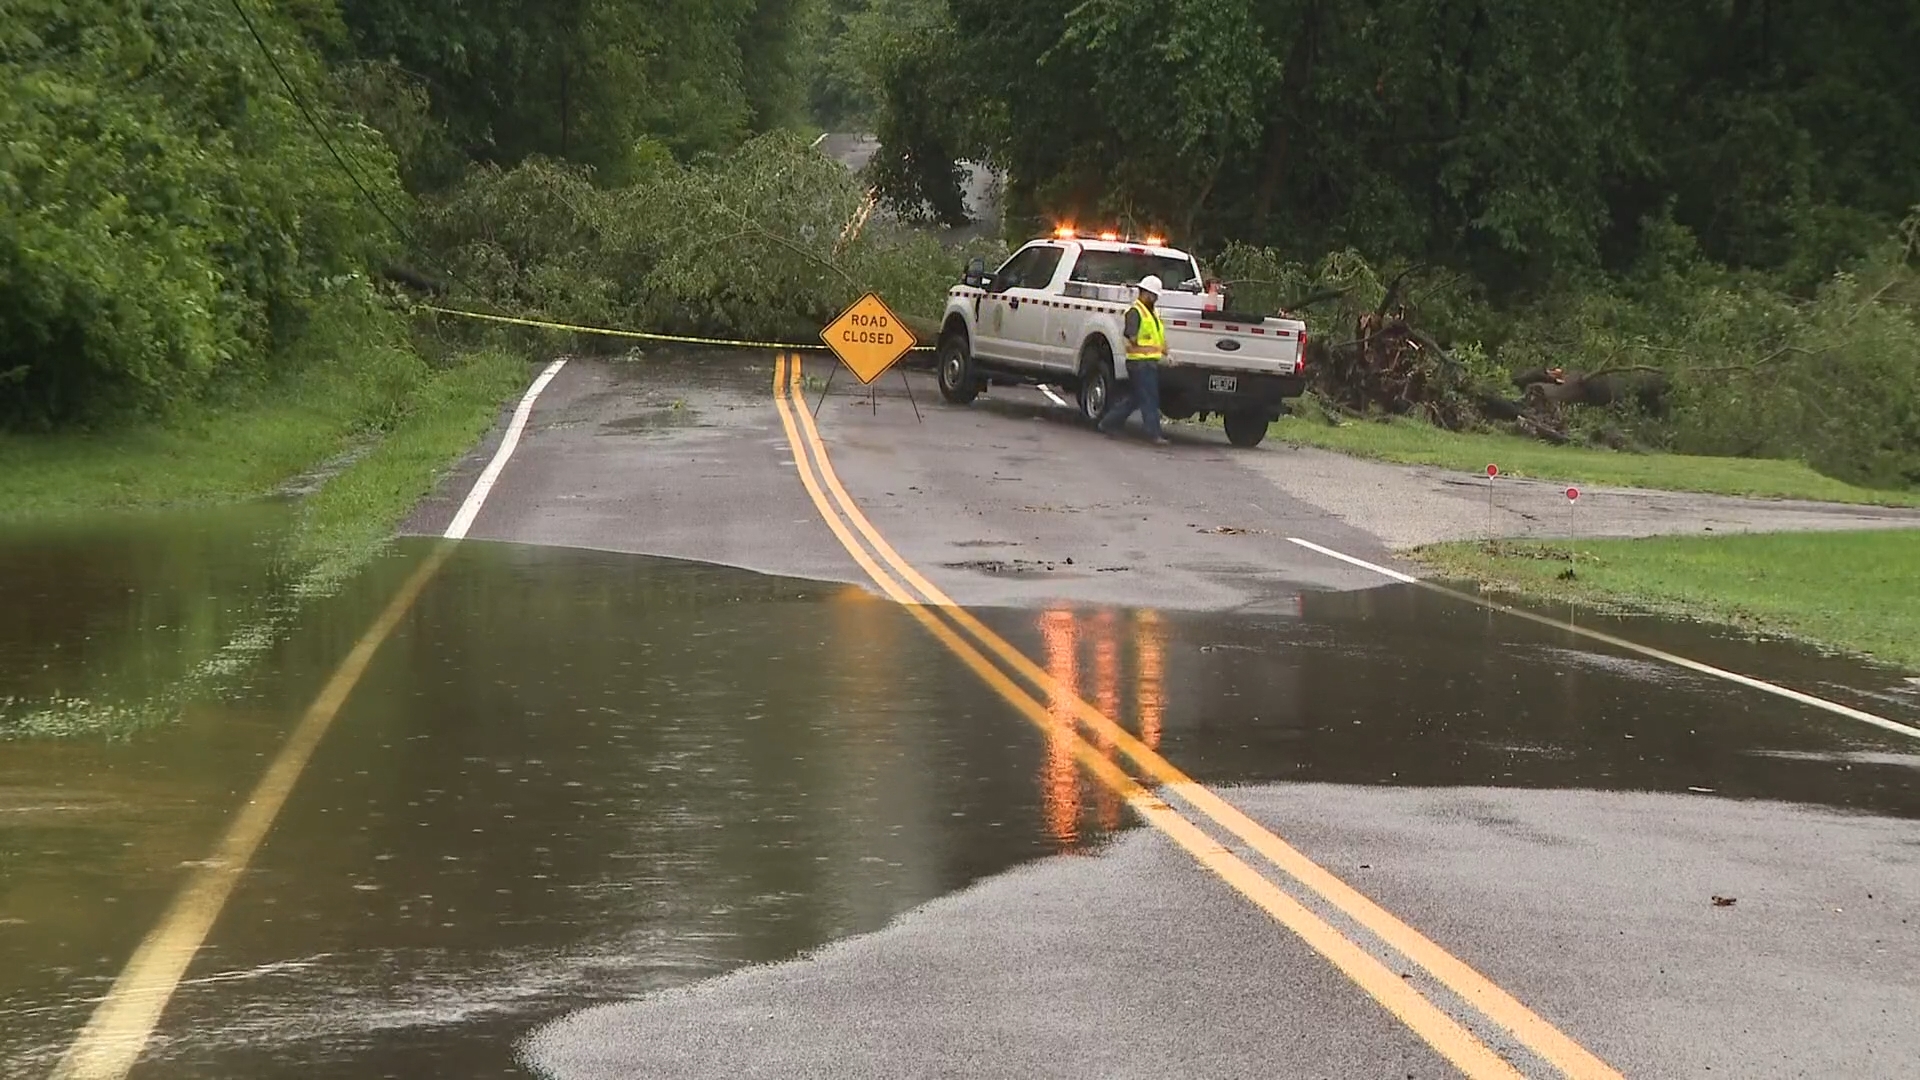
(441, 419)
(398, 420)
(1839, 590)
(1413, 443)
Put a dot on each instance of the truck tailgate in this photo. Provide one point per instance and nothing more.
(1271, 346)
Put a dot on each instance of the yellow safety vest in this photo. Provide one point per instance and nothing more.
(1151, 342)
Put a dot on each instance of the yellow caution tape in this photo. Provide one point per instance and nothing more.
(643, 335)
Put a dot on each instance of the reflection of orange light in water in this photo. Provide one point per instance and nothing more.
(863, 633)
(1059, 779)
(865, 627)
(1106, 668)
(1149, 693)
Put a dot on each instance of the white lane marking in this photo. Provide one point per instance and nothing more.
(1748, 681)
(821, 139)
(1056, 398)
(482, 487)
(1361, 563)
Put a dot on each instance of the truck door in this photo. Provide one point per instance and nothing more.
(1012, 322)
(1029, 305)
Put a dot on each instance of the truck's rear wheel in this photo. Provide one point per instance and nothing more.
(1245, 428)
(958, 383)
(1096, 386)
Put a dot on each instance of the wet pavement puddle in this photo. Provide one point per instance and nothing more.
(573, 778)
(569, 778)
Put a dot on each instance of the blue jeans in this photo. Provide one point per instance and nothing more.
(1143, 376)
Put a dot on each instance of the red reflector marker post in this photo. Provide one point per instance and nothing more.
(1492, 471)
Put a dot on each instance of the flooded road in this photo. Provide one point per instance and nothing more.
(577, 777)
(110, 624)
(571, 777)
(648, 781)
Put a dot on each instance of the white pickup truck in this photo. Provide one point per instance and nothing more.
(1052, 315)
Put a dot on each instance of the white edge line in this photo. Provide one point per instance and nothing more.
(1056, 398)
(483, 487)
(1361, 563)
(1749, 681)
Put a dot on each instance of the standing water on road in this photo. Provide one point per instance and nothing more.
(573, 777)
(109, 624)
(569, 777)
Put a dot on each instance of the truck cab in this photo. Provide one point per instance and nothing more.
(1053, 313)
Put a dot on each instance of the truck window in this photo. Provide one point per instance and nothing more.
(1030, 269)
(1127, 268)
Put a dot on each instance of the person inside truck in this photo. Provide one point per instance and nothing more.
(1146, 340)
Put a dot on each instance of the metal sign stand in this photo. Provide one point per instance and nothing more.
(910, 398)
(824, 389)
(872, 403)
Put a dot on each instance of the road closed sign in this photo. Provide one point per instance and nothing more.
(868, 337)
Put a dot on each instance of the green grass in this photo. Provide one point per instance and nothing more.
(407, 419)
(201, 455)
(1854, 592)
(1414, 443)
(356, 511)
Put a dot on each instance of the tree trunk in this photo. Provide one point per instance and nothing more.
(564, 103)
(1294, 79)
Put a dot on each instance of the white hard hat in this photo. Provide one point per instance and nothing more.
(1150, 284)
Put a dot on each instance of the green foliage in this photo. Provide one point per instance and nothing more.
(587, 80)
(170, 218)
(1521, 141)
(1830, 379)
(769, 242)
(1647, 191)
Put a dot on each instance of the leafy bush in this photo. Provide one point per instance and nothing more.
(1832, 379)
(169, 217)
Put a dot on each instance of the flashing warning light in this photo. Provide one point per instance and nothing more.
(1156, 241)
(1109, 236)
(1064, 232)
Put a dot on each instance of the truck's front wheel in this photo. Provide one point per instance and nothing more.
(1246, 428)
(957, 381)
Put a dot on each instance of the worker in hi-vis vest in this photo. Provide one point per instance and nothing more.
(1146, 347)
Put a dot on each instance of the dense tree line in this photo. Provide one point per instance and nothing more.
(1717, 192)
(1525, 140)
(190, 186)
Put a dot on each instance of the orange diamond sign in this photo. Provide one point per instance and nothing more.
(868, 337)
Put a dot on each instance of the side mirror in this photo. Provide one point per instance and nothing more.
(975, 273)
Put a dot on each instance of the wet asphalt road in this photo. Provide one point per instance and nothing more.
(650, 783)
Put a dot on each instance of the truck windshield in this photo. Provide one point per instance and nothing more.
(1127, 268)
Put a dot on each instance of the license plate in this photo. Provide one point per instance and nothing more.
(1222, 384)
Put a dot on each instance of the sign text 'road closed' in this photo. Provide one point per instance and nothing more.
(868, 337)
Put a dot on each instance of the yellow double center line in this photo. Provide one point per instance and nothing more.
(947, 621)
